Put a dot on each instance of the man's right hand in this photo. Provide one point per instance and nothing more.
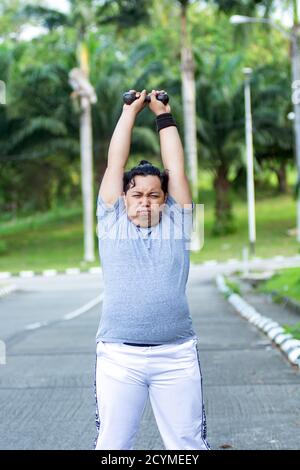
(157, 106)
(138, 104)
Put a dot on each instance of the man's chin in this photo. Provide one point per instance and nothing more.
(144, 221)
(147, 221)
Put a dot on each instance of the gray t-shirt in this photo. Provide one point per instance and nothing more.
(145, 271)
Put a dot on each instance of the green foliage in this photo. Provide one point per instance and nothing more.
(286, 283)
(39, 133)
(293, 330)
(54, 239)
(233, 286)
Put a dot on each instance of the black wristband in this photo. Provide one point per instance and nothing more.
(164, 120)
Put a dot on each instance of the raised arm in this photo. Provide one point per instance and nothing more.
(111, 186)
(172, 156)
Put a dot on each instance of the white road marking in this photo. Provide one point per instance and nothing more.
(33, 326)
(69, 316)
(85, 308)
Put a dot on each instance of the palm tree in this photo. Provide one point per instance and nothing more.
(220, 130)
(189, 99)
(82, 17)
(273, 134)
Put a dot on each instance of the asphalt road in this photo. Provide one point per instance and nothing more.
(46, 387)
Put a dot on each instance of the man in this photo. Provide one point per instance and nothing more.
(146, 345)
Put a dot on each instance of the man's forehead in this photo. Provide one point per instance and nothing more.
(142, 184)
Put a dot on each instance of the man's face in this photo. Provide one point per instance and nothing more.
(143, 200)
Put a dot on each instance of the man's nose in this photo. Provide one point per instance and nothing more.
(145, 201)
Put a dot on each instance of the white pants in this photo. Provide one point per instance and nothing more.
(169, 374)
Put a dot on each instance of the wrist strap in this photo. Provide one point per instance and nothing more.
(164, 120)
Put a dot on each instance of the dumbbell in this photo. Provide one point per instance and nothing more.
(129, 97)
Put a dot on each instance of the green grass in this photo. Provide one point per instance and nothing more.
(293, 330)
(286, 283)
(44, 241)
(275, 215)
(234, 286)
(54, 239)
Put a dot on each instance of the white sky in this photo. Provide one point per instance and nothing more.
(61, 5)
(29, 32)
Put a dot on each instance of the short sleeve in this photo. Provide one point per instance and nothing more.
(108, 215)
(182, 216)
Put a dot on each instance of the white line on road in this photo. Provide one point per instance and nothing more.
(84, 308)
(34, 326)
(69, 316)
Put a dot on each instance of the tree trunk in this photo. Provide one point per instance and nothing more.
(87, 179)
(223, 210)
(86, 151)
(189, 102)
(100, 161)
(189, 117)
(282, 178)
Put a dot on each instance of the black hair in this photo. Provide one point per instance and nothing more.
(145, 168)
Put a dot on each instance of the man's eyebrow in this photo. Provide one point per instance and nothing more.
(152, 191)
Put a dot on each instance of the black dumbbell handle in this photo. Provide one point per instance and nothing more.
(129, 97)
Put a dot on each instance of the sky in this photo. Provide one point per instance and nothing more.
(29, 32)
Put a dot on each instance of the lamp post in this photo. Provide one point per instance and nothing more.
(249, 149)
(293, 37)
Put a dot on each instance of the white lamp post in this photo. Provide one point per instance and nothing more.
(293, 37)
(249, 148)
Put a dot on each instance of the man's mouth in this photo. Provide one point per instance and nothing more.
(143, 211)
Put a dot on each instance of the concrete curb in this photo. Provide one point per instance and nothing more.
(98, 270)
(289, 345)
(50, 272)
(5, 290)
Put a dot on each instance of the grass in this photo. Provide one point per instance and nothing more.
(275, 215)
(234, 286)
(44, 241)
(293, 330)
(286, 283)
(54, 239)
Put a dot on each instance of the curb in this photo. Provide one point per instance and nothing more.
(289, 345)
(98, 270)
(50, 272)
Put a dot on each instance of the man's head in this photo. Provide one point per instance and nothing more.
(145, 190)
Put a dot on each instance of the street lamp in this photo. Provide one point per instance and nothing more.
(239, 19)
(249, 147)
(292, 35)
